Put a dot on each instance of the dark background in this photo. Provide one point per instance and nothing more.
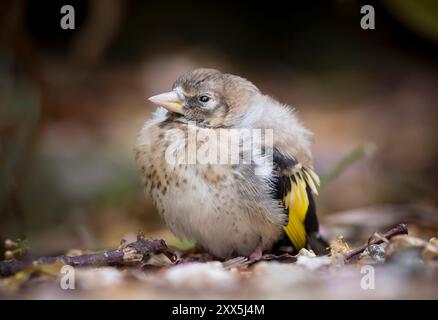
(72, 102)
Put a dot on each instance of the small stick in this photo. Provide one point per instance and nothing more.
(397, 230)
(127, 254)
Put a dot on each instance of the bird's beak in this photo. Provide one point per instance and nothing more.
(168, 100)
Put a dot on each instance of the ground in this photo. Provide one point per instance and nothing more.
(393, 265)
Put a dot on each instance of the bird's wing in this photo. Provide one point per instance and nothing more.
(295, 186)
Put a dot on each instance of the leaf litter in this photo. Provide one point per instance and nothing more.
(404, 266)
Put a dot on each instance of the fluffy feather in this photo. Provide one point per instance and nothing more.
(228, 209)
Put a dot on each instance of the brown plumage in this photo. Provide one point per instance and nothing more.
(229, 207)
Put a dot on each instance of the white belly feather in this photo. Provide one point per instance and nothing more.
(216, 206)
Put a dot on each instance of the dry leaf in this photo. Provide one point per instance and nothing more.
(430, 252)
(403, 242)
(338, 247)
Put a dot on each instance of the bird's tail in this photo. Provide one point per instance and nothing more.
(303, 226)
(317, 243)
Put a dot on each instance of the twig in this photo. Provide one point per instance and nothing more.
(132, 253)
(357, 154)
(397, 230)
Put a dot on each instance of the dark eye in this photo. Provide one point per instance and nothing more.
(204, 99)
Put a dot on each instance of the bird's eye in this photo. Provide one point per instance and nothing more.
(204, 99)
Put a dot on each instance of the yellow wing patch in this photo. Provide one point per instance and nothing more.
(297, 203)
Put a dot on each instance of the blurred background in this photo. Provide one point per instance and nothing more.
(72, 102)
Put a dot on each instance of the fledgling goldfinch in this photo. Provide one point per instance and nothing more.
(227, 208)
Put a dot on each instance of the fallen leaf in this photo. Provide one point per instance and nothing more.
(430, 252)
(403, 242)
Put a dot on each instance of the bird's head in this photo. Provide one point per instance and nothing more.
(208, 97)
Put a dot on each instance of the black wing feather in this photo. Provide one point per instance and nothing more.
(282, 186)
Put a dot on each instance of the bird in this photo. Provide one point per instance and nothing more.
(243, 205)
